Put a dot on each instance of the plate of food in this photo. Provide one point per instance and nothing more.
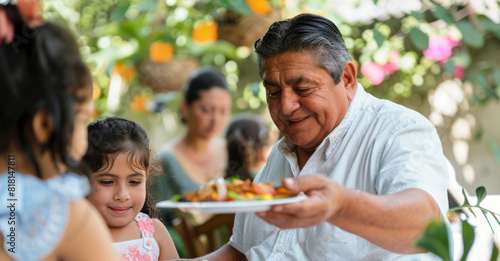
(232, 196)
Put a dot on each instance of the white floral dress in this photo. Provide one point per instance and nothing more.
(142, 249)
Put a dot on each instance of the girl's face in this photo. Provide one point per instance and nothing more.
(208, 115)
(119, 193)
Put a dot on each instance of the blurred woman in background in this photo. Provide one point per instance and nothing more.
(200, 155)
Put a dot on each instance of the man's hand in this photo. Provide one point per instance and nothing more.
(325, 200)
(392, 221)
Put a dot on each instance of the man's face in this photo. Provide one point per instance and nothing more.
(303, 100)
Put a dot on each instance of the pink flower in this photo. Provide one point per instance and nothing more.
(390, 67)
(146, 225)
(374, 72)
(440, 47)
(392, 64)
(459, 72)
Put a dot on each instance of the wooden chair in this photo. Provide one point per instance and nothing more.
(191, 233)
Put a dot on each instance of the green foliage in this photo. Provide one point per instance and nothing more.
(435, 240)
(471, 35)
(467, 238)
(443, 14)
(419, 38)
(435, 237)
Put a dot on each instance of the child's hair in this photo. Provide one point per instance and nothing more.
(41, 69)
(110, 136)
(246, 134)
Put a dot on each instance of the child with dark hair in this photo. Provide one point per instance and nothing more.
(45, 105)
(249, 142)
(119, 158)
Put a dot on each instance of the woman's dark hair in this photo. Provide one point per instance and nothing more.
(245, 135)
(306, 32)
(202, 80)
(41, 69)
(110, 136)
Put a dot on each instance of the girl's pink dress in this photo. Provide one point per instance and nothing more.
(142, 249)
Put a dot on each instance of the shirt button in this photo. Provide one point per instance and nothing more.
(278, 248)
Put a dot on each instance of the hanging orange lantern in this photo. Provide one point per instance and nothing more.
(260, 7)
(161, 52)
(126, 72)
(205, 33)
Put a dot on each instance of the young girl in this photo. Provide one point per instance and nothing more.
(45, 104)
(119, 159)
(249, 142)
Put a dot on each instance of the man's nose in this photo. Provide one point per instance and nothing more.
(289, 102)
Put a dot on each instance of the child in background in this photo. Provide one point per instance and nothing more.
(119, 159)
(249, 142)
(45, 105)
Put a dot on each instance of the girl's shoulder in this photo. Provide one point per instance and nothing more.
(164, 242)
(41, 208)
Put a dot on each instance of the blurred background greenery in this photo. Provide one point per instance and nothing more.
(437, 57)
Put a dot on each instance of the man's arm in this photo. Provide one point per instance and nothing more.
(392, 222)
(226, 253)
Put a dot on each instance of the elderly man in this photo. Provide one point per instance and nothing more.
(374, 171)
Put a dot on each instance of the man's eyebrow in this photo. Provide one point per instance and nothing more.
(298, 80)
(268, 83)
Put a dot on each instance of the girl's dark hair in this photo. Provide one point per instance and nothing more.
(110, 136)
(41, 69)
(245, 135)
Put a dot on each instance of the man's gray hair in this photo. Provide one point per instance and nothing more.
(305, 32)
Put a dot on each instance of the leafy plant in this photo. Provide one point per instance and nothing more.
(435, 237)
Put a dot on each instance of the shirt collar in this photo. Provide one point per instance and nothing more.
(286, 147)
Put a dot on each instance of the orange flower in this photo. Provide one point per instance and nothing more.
(96, 92)
(161, 52)
(260, 7)
(205, 33)
(139, 104)
(126, 72)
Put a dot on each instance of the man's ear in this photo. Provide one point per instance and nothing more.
(42, 126)
(349, 76)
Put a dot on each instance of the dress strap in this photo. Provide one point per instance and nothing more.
(147, 229)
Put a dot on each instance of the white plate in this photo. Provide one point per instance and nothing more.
(228, 206)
